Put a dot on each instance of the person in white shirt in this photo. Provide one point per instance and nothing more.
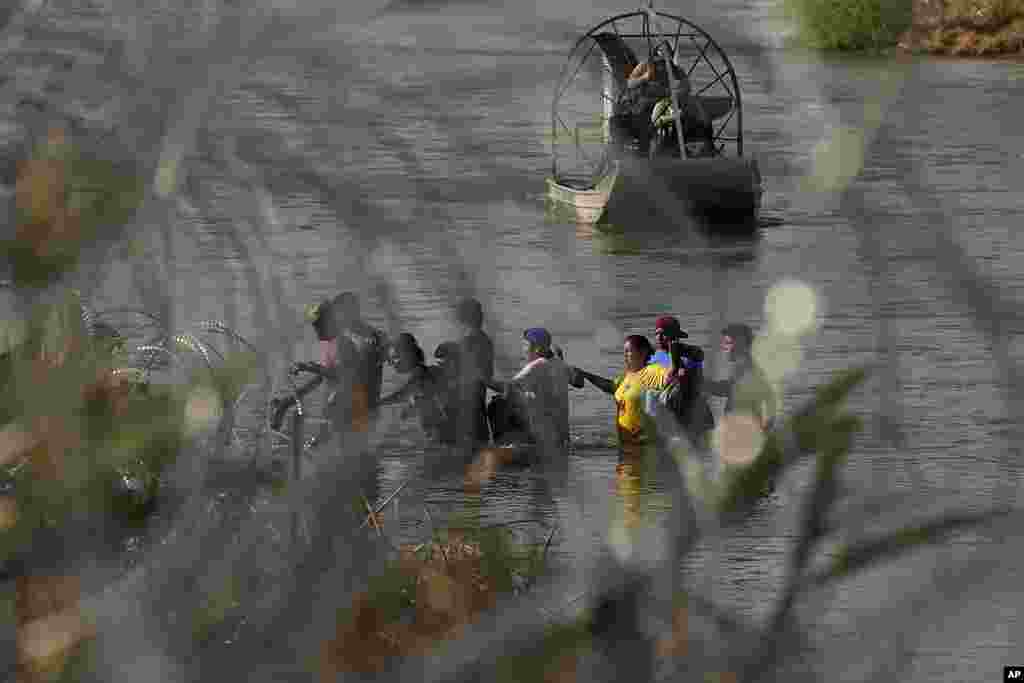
(535, 403)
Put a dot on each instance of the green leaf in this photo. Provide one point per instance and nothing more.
(218, 606)
(743, 486)
(816, 427)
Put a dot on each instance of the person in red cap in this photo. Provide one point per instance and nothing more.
(666, 328)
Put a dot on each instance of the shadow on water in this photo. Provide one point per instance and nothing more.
(685, 246)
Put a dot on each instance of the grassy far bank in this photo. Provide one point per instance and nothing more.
(945, 27)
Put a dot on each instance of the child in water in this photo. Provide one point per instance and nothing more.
(425, 392)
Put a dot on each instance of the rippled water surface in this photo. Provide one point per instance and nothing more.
(428, 132)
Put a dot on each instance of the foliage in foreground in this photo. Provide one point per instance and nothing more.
(427, 594)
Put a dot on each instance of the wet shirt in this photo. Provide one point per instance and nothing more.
(477, 353)
(347, 403)
(544, 391)
(370, 348)
(633, 423)
(748, 391)
(426, 395)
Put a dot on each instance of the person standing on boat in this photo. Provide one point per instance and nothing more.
(536, 399)
(476, 368)
(747, 390)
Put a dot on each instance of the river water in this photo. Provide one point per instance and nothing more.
(437, 124)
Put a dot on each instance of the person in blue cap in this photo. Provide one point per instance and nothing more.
(534, 404)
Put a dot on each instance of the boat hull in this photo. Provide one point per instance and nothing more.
(719, 193)
(585, 205)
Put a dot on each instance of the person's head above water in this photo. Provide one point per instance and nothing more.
(406, 353)
(536, 343)
(737, 340)
(329, 317)
(667, 328)
(636, 352)
(470, 313)
(319, 316)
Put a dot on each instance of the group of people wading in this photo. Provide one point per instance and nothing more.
(449, 397)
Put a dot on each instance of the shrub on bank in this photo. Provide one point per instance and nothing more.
(849, 24)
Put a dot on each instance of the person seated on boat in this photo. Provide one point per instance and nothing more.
(632, 118)
(630, 388)
(698, 133)
(476, 351)
(534, 404)
(645, 112)
(424, 393)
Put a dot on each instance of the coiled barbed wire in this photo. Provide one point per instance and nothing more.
(222, 328)
(194, 344)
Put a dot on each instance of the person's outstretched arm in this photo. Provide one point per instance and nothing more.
(605, 385)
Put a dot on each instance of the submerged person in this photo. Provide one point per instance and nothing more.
(476, 369)
(747, 390)
(639, 376)
(534, 404)
(425, 392)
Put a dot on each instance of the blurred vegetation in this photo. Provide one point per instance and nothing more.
(66, 201)
(86, 436)
(80, 427)
(428, 593)
(849, 24)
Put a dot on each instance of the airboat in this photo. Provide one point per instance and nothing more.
(647, 123)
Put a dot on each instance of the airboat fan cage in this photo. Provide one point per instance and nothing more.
(594, 80)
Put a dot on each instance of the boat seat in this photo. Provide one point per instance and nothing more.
(576, 183)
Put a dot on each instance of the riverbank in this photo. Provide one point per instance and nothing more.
(966, 28)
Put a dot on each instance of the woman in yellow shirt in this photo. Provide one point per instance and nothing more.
(630, 389)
